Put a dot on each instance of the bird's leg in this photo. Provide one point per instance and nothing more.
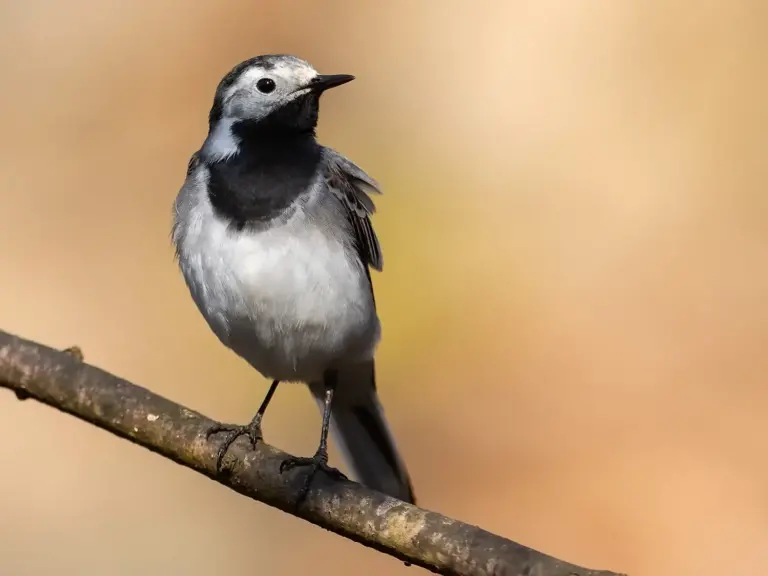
(320, 460)
(233, 431)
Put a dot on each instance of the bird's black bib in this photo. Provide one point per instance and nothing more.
(265, 177)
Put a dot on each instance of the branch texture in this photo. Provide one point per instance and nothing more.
(414, 535)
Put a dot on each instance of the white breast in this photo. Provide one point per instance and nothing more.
(288, 298)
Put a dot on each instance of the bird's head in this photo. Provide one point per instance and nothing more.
(276, 91)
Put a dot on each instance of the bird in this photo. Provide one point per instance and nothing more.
(273, 237)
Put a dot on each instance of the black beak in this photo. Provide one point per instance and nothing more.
(322, 82)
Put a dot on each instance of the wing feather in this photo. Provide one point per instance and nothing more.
(352, 187)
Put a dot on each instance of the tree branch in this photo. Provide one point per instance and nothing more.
(417, 536)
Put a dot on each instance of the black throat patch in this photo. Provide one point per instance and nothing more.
(272, 169)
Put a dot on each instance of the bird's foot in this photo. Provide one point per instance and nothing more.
(318, 462)
(233, 432)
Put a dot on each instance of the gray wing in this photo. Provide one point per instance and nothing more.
(352, 187)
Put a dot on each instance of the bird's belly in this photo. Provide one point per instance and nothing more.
(291, 303)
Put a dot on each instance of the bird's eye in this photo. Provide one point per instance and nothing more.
(265, 85)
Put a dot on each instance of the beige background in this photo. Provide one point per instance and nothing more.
(575, 294)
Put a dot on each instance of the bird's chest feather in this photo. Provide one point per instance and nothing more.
(280, 282)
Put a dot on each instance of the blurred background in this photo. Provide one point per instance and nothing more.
(574, 297)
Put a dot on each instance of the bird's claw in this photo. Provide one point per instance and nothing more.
(318, 462)
(233, 432)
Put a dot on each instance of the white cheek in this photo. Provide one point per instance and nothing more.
(288, 75)
(222, 144)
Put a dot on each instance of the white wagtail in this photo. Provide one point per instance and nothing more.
(274, 240)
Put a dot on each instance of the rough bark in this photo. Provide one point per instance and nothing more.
(62, 380)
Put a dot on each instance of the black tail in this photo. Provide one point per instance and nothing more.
(359, 428)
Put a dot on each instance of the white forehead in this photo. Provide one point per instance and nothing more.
(293, 71)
